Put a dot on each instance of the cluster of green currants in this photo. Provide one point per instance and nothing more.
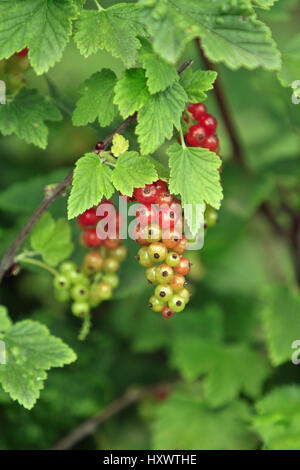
(93, 283)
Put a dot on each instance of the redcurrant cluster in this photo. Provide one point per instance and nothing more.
(159, 232)
(201, 134)
(96, 279)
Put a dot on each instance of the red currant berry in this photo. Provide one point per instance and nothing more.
(145, 215)
(100, 145)
(183, 267)
(197, 110)
(181, 246)
(146, 195)
(171, 238)
(112, 243)
(92, 262)
(164, 197)
(88, 218)
(211, 143)
(167, 312)
(178, 282)
(195, 135)
(90, 238)
(161, 185)
(23, 52)
(209, 123)
(166, 217)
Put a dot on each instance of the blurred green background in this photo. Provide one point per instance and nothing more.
(235, 278)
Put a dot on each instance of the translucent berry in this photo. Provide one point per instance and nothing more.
(181, 246)
(112, 279)
(111, 265)
(166, 217)
(67, 266)
(152, 233)
(88, 218)
(100, 145)
(178, 282)
(92, 262)
(144, 258)
(167, 312)
(112, 243)
(184, 293)
(77, 276)
(197, 110)
(164, 274)
(161, 185)
(211, 143)
(209, 123)
(62, 295)
(210, 216)
(172, 259)
(195, 135)
(146, 195)
(176, 303)
(119, 253)
(156, 304)
(145, 215)
(183, 267)
(151, 275)
(157, 252)
(171, 238)
(61, 282)
(80, 309)
(163, 292)
(103, 290)
(80, 293)
(90, 238)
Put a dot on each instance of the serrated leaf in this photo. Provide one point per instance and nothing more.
(289, 72)
(5, 321)
(205, 429)
(196, 83)
(229, 32)
(132, 171)
(194, 175)
(131, 92)
(97, 99)
(157, 118)
(115, 29)
(43, 26)
(280, 314)
(266, 4)
(162, 171)
(277, 418)
(160, 74)
(91, 182)
(119, 145)
(52, 239)
(31, 351)
(25, 115)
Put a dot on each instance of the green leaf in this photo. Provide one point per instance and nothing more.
(43, 26)
(157, 118)
(119, 145)
(196, 83)
(160, 75)
(97, 99)
(5, 321)
(229, 32)
(266, 4)
(194, 426)
(25, 116)
(115, 29)
(194, 175)
(277, 418)
(290, 62)
(91, 182)
(281, 319)
(31, 351)
(162, 171)
(52, 239)
(132, 171)
(131, 92)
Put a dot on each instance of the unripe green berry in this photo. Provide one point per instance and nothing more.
(184, 293)
(151, 233)
(67, 266)
(157, 252)
(80, 293)
(61, 282)
(77, 277)
(112, 279)
(172, 259)
(151, 274)
(156, 304)
(164, 274)
(144, 258)
(80, 309)
(62, 295)
(176, 303)
(163, 292)
(110, 265)
(119, 253)
(103, 290)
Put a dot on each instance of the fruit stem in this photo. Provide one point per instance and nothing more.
(36, 262)
(86, 326)
(182, 138)
(98, 5)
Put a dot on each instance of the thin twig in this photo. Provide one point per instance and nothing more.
(89, 426)
(9, 257)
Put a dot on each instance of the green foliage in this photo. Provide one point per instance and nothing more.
(131, 92)
(196, 83)
(5, 321)
(290, 62)
(51, 239)
(97, 100)
(25, 115)
(44, 27)
(277, 418)
(91, 182)
(132, 171)
(30, 352)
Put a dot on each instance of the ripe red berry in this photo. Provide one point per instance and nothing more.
(166, 217)
(183, 267)
(197, 110)
(88, 218)
(209, 123)
(100, 145)
(145, 214)
(23, 52)
(146, 195)
(161, 185)
(90, 238)
(164, 197)
(211, 143)
(195, 135)
(112, 243)
(167, 312)
(171, 238)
